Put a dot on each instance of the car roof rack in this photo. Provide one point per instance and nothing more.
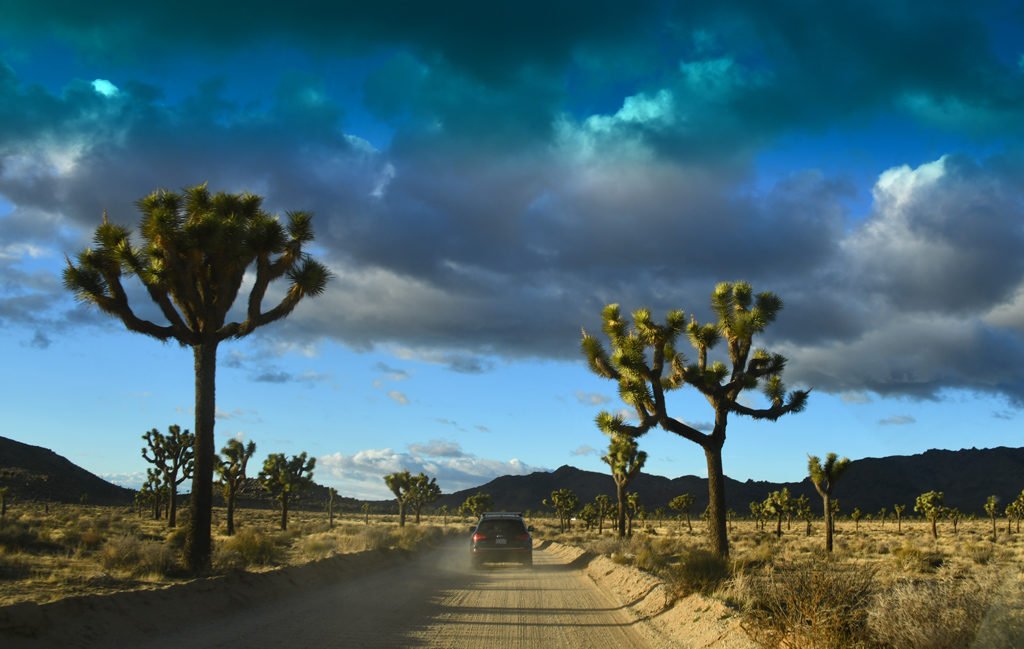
(499, 514)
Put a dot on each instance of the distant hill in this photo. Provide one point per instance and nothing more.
(967, 477)
(37, 473)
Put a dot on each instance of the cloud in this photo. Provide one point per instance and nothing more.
(897, 420)
(393, 374)
(483, 203)
(361, 474)
(437, 448)
(585, 450)
(591, 398)
(398, 397)
(855, 397)
(128, 480)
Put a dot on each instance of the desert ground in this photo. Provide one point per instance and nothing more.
(103, 577)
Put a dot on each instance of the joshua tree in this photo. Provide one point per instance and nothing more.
(682, 504)
(625, 462)
(197, 249)
(443, 511)
(171, 453)
(803, 510)
(366, 513)
(955, 516)
(286, 479)
(332, 493)
(856, 515)
(824, 477)
(423, 491)
(400, 484)
(476, 505)
(604, 506)
(633, 508)
(991, 508)
(881, 516)
(646, 365)
(231, 469)
(757, 513)
(589, 515)
(898, 510)
(778, 504)
(565, 503)
(930, 506)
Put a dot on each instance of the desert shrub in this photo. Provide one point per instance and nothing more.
(605, 545)
(375, 537)
(698, 571)
(809, 605)
(90, 539)
(17, 537)
(942, 612)
(979, 553)
(412, 537)
(915, 560)
(130, 554)
(650, 559)
(318, 546)
(13, 567)
(252, 547)
(176, 537)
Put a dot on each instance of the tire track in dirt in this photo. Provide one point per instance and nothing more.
(436, 600)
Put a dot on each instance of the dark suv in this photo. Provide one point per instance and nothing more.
(501, 537)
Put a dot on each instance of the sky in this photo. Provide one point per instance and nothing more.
(485, 177)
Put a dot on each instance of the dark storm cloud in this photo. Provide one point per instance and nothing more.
(550, 158)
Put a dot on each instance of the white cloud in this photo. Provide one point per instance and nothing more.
(361, 474)
(398, 397)
(591, 398)
(897, 420)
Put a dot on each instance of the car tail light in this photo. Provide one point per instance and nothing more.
(523, 537)
(479, 537)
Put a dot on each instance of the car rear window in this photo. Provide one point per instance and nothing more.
(504, 527)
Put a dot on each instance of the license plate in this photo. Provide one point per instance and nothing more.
(500, 541)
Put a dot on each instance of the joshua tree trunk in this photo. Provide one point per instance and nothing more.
(231, 514)
(284, 512)
(620, 492)
(172, 505)
(716, 505)
(828, 522)
(197, 539)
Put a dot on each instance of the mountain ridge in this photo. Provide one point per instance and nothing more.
(966, 476)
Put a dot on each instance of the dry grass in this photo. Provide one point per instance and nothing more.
(880, 588)
(81, 549)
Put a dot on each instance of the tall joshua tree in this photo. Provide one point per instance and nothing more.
(401, 484)
(682, 504)
(424, 491)
(197, 250)
(285, 479)
(232, 474)
(625, 462)
(646, 365)
(171, 453)
(824, 476)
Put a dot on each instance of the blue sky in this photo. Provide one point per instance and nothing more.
(486, 178)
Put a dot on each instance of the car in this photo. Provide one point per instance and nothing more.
(501, 537)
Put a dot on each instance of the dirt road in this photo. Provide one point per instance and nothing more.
(435, 600)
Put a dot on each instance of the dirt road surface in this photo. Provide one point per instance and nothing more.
(435, 600)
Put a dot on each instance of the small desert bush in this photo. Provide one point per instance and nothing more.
(375, 537)
(317, 546)
(17, 536)
(942, 612)
(13, 567)
(176, 537)
(699, 571)
(411, 537)
(809, 605)
(914, 560)
(129, 554)
(251, 547)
